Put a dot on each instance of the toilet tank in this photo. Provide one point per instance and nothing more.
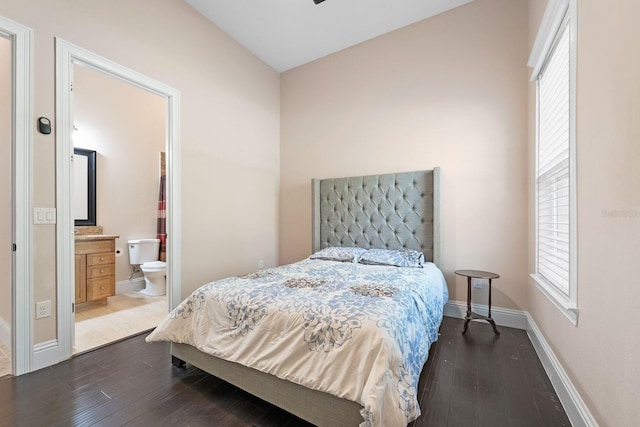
(143, 250)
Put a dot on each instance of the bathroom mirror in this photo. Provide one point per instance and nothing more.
(84, 186)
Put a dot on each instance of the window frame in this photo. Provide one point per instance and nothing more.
(557, 14)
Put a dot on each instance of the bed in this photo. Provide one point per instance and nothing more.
(324, 338)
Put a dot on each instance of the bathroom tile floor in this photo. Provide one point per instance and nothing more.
(124, 315)
(5, 360)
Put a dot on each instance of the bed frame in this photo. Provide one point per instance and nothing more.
(394, 211)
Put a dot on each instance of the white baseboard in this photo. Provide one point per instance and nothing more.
(502, 316)
(576, 409)
(572, 402)
(45, 354)
(5, 333)
(124, 286)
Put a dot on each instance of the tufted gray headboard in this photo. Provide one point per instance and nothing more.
(394, 211)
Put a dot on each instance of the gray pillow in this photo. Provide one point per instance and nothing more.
(393, 257)
(346, 254)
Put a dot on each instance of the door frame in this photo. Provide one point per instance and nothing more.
(21, 38)
(68, 54)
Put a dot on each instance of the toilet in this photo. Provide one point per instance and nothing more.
(144, 252)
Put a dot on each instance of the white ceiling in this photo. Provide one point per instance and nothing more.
(289, 33)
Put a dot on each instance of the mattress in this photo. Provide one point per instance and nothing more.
(358, 332)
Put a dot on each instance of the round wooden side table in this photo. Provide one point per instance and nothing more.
(477, 274)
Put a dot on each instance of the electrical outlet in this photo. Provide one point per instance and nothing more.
(43, 309)
(261, 264)
(477, 283)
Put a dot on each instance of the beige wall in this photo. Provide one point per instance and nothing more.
(449, 91)
(125, 125)
(600, 354)
(229, 133)
(5, 182)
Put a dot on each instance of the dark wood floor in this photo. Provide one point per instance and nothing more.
(472, 380)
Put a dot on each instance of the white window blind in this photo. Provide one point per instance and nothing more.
(553, 173)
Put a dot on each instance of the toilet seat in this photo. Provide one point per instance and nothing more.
(153, 266)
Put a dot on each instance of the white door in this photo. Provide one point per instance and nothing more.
(6, 210)
(18, 154)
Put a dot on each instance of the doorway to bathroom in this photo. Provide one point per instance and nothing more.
(69, 59)
(119, 131)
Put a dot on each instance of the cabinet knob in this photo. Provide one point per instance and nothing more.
(101, 270)
(101, 258)
(102, 288)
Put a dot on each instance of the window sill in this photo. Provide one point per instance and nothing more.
(561, 302)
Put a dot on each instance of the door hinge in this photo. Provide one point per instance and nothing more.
(14, 247)
(73, 307)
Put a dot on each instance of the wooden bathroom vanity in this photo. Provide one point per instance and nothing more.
(95, 267)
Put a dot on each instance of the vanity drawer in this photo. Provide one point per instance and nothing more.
(95, 246)
(101, 271)
(101, 259)
(100, 288)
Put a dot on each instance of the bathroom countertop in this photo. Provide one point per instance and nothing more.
(95, 237)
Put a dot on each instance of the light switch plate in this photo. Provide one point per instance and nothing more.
(44, 215)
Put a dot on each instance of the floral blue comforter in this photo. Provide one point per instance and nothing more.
(359, 332)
